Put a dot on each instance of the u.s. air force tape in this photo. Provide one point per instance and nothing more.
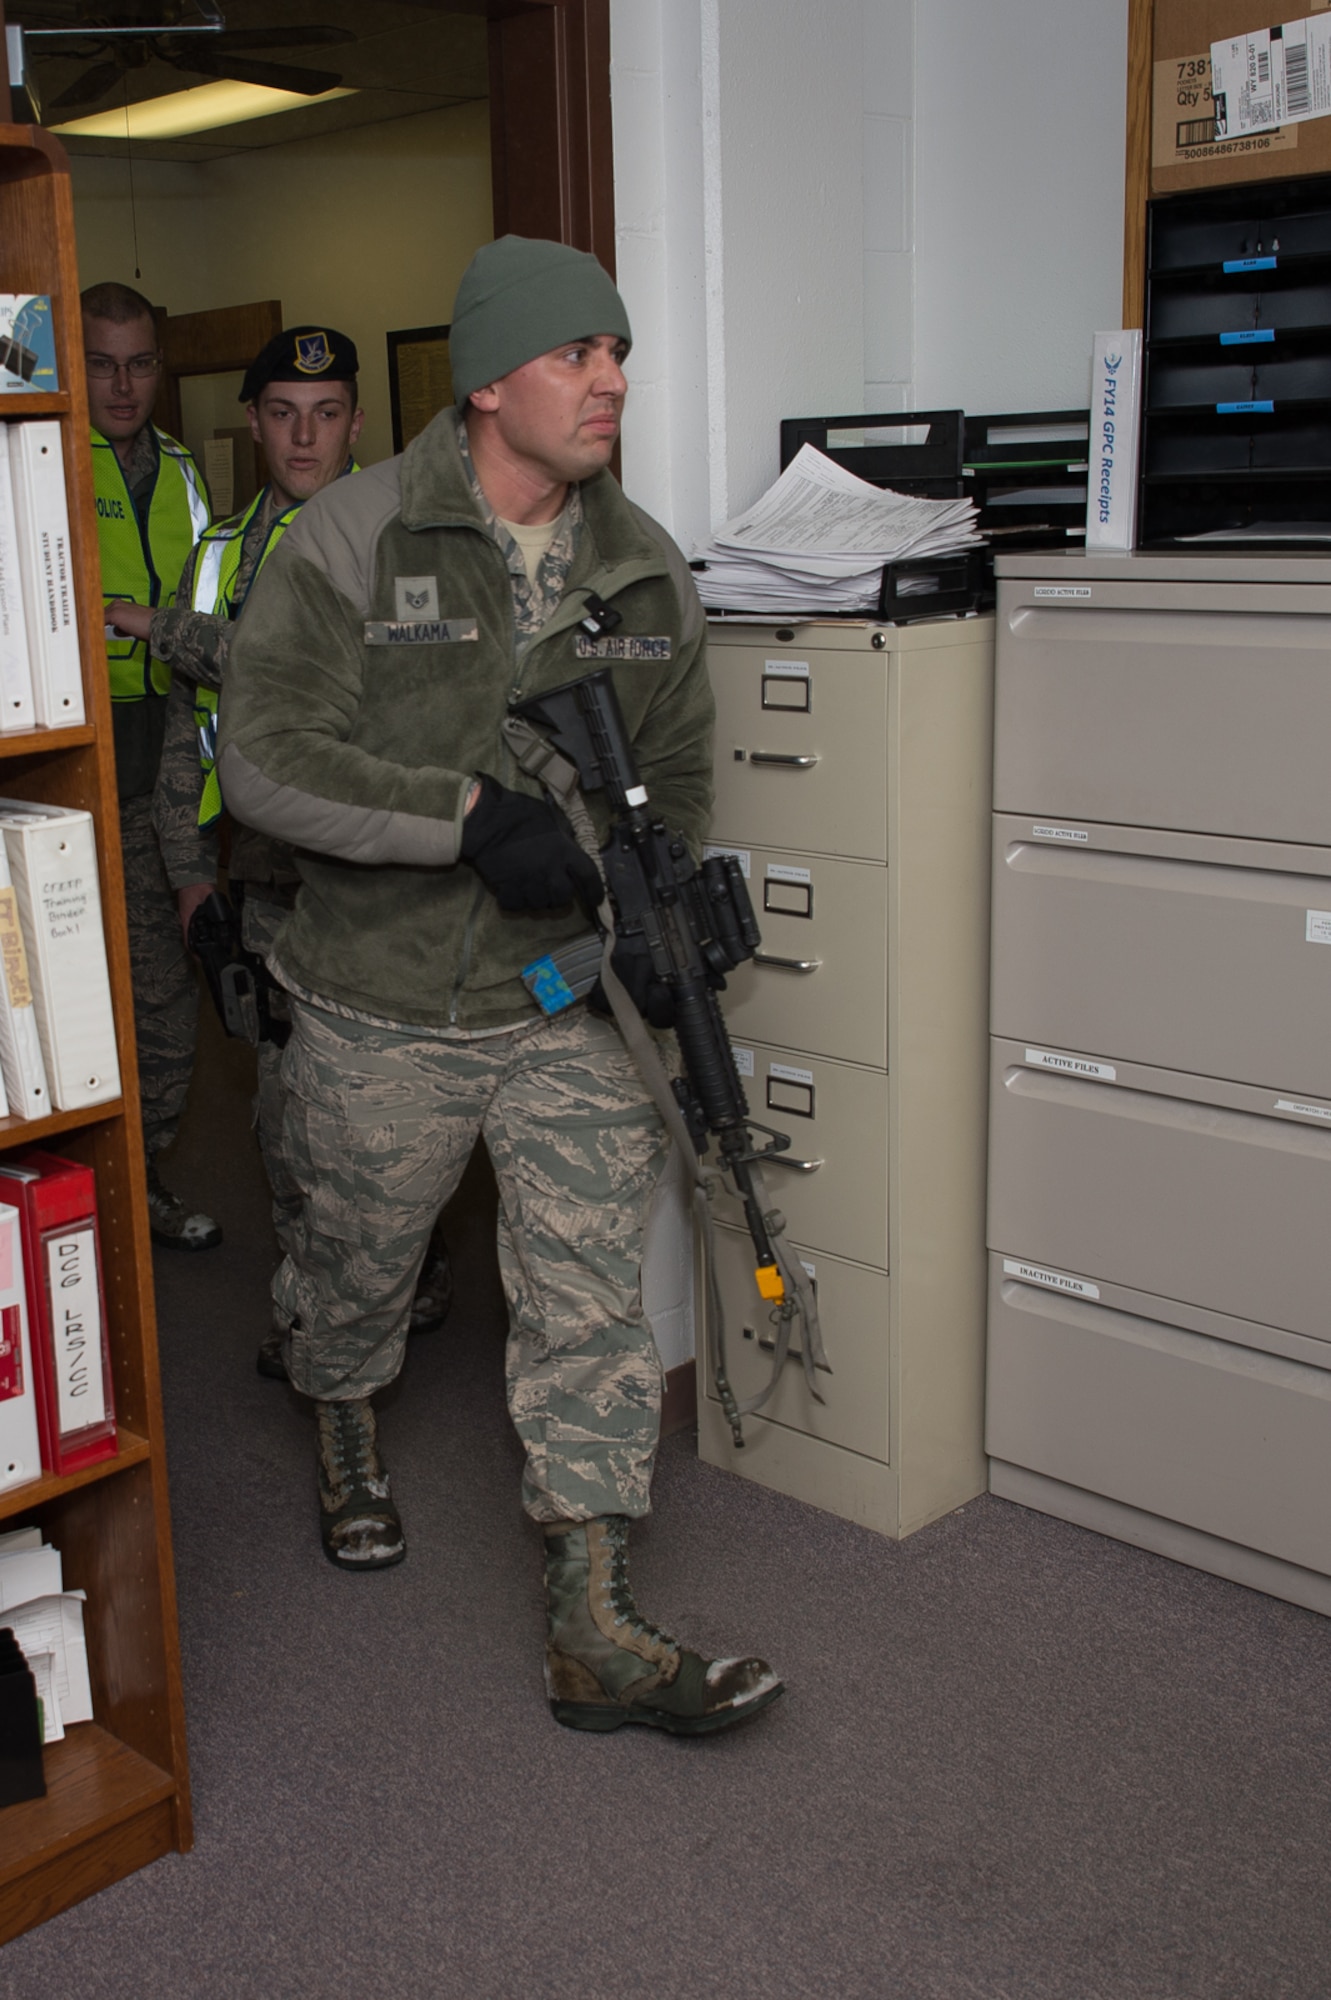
(621, 646)
(418, 631)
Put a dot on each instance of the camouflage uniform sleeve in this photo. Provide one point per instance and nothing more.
(189, 853)
(194, 644)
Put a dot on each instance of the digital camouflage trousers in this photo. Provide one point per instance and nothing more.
(166, 991)
(378, 1127)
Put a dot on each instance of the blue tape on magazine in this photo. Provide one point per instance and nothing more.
(548, 986)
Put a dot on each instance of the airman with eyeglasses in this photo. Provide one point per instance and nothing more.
(151, 509)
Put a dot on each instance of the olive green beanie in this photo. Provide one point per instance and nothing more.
(520, 297)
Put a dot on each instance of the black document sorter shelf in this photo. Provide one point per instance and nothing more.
(1236, 422)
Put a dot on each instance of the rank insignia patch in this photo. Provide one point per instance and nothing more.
(313, 354)
(416, 596)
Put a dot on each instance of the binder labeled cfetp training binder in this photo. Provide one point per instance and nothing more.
(57, 1202)
(53, 861)
(41, 513)
(20, 1448)
(21, 1064)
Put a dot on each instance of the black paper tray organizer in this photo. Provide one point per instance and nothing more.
(1236, 395)
(1025, 470)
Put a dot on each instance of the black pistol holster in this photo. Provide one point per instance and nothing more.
(238, 980)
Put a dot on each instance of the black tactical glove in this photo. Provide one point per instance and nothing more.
(524, 853)
(632, 963)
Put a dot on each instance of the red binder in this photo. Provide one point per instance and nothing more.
(57, 1202)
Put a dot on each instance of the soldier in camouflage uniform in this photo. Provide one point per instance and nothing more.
(150, 507)
(300, 396)
(368, 683)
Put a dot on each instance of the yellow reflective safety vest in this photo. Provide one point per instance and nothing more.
(143, 554)
(215, 571)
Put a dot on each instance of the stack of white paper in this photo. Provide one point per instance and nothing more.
(47, 1621)
(817, 541)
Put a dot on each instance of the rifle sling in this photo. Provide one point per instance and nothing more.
(539, 759)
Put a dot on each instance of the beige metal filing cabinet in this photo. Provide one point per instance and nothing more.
(853, 779)
(1160, 1099)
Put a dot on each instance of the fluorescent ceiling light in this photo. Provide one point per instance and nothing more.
(198, 110)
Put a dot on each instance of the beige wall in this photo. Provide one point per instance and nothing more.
(367, 230)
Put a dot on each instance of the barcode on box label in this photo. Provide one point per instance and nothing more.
(1057, 1281)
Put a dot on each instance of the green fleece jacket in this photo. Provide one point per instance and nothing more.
(365, 690)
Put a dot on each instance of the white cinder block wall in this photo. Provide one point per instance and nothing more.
(957, 240)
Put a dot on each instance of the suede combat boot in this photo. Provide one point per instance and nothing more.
(360, 1525)
(605, 1665)
(429, 1310)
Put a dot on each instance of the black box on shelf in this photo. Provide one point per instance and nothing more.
(1236, 402)
(21, 1774)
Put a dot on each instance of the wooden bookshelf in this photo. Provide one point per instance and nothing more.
(118, 1787)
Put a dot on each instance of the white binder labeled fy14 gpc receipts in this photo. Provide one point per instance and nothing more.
(1116, 415)
(37, 466)
(53, 860)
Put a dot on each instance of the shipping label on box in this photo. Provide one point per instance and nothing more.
(1185, 150)
(1272, 77)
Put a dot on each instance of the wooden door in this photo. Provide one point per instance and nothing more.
(552, 156)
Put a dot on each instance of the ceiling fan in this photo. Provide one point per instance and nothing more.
(189, 37)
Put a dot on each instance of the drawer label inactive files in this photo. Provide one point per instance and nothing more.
(1099, 1072)
(741, 854)
(1057, 1281)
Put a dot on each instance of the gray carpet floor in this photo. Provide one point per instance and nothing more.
(1015, 1761)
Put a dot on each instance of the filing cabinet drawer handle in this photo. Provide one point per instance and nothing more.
(796, 1166)
(786, 758)
(787, 964)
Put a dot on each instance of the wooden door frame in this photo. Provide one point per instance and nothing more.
(551, 145)
(1137, 159)
(209, 343)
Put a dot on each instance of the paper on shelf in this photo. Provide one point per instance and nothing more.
(55, 1625)
(29, 1573)
(817, 540)
(42, 1668)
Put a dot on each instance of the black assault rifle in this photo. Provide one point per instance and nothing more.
(697, 924)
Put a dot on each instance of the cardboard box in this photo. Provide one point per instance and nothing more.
(1182, 155)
